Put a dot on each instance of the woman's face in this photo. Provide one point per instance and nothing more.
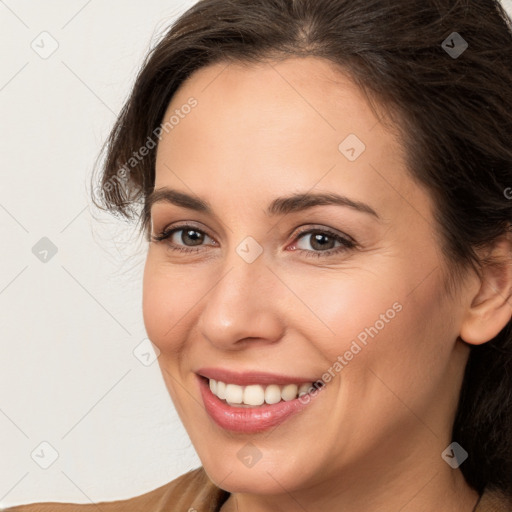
(264, 292)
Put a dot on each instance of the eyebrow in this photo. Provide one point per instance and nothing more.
(279, 206)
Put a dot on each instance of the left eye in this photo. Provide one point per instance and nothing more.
(321, 241)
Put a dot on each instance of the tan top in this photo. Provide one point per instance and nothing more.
(195, 492)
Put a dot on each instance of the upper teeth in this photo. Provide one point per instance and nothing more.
(256, 394)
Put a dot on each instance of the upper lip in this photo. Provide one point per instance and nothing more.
(247, 378)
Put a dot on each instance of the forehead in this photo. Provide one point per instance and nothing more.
(298, 98)
(292, 124)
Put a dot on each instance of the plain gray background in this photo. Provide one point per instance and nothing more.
(84, 416)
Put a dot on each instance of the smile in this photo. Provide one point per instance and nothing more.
(252, 402)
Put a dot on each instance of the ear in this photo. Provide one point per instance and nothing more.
(491, 306)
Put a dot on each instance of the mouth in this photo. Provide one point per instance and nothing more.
(253, 402)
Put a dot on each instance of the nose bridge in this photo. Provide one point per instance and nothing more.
(242, 303)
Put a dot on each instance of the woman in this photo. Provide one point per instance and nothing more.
(325, 189)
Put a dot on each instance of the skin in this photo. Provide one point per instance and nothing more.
(373, 437)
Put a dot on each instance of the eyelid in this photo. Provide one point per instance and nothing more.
(182, 225)
(324, 229)
(306, 228)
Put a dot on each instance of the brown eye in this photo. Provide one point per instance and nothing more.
(183, 238)
(322, 241)
(193, 235)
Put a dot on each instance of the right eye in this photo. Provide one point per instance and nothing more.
(184, 234)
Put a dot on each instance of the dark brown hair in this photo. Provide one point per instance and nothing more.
(453, 111)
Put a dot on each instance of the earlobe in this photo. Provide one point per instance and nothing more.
(490, 309)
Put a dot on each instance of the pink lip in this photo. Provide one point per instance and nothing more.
(248, 378)
(245, 419)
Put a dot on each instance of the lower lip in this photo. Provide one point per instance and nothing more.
(248, 419)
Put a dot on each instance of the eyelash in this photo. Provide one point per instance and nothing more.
(346, 242)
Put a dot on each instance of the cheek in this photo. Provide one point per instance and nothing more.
(165, 301)
(374, 321)
(405, 359)
(172, 296)
(342, 307)
(154, 306)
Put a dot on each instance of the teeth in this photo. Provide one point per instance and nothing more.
(272, 394)
(289, 392)
(256, 394)
(234, 394)
(221, 390)
(304, 388)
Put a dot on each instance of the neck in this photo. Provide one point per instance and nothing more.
(442, 489)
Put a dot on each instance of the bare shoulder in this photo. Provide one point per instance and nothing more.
(179, 491)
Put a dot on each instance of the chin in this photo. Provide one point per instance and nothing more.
(251, 481)
(266, 477)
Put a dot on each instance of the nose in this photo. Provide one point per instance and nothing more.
(243, 306)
